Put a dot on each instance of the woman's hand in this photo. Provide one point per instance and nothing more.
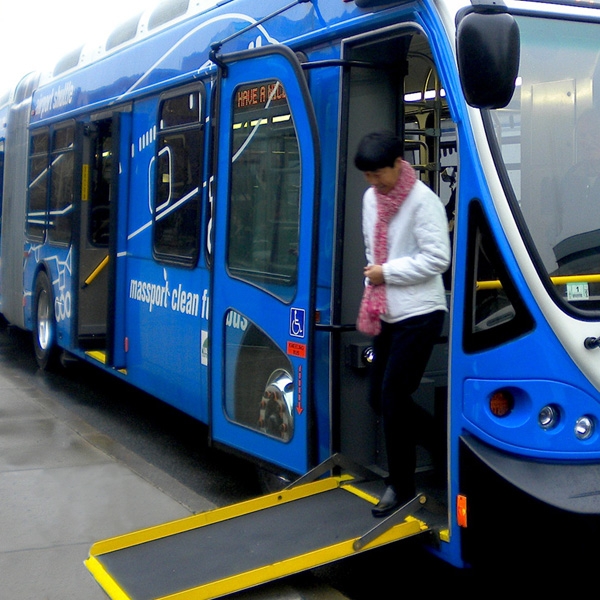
(374, 273)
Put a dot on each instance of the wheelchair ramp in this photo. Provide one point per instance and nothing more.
(226, 550)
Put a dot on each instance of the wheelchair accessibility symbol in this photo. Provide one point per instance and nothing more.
(297, 320)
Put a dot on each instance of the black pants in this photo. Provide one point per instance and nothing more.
(402, 351)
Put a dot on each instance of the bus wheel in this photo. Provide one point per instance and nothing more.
(44, 326)
(276, 406)
(270, 481)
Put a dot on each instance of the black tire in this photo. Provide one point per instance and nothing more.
(271, 482)
(44, 323)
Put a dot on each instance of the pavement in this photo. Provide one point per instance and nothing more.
(64, 486)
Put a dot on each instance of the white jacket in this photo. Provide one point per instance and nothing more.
(418, 253)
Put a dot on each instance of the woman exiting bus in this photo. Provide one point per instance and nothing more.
(407, 249)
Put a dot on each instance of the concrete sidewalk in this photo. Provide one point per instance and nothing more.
(64, 486)
(60, 493)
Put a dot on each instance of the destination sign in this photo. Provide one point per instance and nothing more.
(259, 96)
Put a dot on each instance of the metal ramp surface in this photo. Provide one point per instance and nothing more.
(212, 554)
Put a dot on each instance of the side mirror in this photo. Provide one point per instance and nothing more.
(487, 49)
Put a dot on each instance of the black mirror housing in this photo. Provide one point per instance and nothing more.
(488, 50)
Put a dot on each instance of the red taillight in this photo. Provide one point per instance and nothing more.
(502, 403)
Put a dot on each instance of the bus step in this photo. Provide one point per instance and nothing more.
(99, 355)
(219, 552)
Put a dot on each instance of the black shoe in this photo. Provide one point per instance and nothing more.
(389, 502)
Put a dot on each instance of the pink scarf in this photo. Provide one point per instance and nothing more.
(374, 303)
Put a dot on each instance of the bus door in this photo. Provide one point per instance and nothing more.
(262, 272)
(391, 82)
(97, 316)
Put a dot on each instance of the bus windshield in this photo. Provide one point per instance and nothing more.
(549, 146)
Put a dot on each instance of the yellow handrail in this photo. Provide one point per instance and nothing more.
(494, 284)
(95, 272)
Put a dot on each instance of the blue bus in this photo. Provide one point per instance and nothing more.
(180, 208)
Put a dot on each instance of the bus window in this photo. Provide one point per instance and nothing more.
(62, 185)
(494, 313)
(38, 185)
(99, 205)
(548, 147)
(265, 190)
(177, 195)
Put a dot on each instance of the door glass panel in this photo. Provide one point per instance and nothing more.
(259, 387)
(62, 187)
(38, 185)
(265, 190)
(99, 205)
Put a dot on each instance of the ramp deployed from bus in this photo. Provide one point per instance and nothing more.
(209, 555)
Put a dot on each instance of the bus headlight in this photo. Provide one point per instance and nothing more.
(584, 427)
(548, 417)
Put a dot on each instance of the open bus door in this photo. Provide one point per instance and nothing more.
(262, 272)
(99, 320)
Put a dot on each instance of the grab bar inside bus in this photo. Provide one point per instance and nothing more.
(495, 284)
(95, 272)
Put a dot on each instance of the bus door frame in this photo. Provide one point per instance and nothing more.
(249, 303)
(112, 261)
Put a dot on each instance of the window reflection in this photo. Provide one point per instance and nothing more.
(259, 385)
(549, 140)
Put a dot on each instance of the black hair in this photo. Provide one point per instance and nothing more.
(378, 150)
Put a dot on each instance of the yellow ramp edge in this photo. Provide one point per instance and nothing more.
(105, 581)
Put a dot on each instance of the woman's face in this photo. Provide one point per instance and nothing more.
(384, 179)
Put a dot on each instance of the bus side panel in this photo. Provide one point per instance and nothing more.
(165, 310)
(165, 305)
(13, 213)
